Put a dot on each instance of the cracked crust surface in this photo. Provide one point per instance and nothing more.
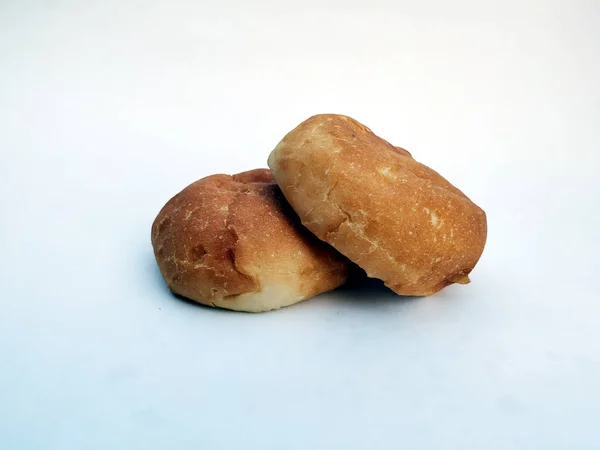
(234, 242)
(396, 218)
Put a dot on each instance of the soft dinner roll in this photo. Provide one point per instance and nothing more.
(234, 242)
(396, 218)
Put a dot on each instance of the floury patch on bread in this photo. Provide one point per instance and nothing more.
(396, 218)
(234, 242)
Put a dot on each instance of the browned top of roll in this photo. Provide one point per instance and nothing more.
(398, 219)
(224, 236)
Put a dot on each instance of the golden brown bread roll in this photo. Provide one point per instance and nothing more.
(396, 218)
(234, 242)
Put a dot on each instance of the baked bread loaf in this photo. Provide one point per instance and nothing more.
(234, 242)
(396, 218)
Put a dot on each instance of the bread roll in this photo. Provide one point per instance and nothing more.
(396, 218)
(234, 242)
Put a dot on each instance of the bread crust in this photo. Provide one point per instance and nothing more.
(396, 218)
(234, 242)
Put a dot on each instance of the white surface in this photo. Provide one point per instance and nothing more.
(109, 108)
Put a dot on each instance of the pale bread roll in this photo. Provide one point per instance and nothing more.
(234, 242)
(396, 218)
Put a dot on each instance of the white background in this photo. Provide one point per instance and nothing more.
(108, 108)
